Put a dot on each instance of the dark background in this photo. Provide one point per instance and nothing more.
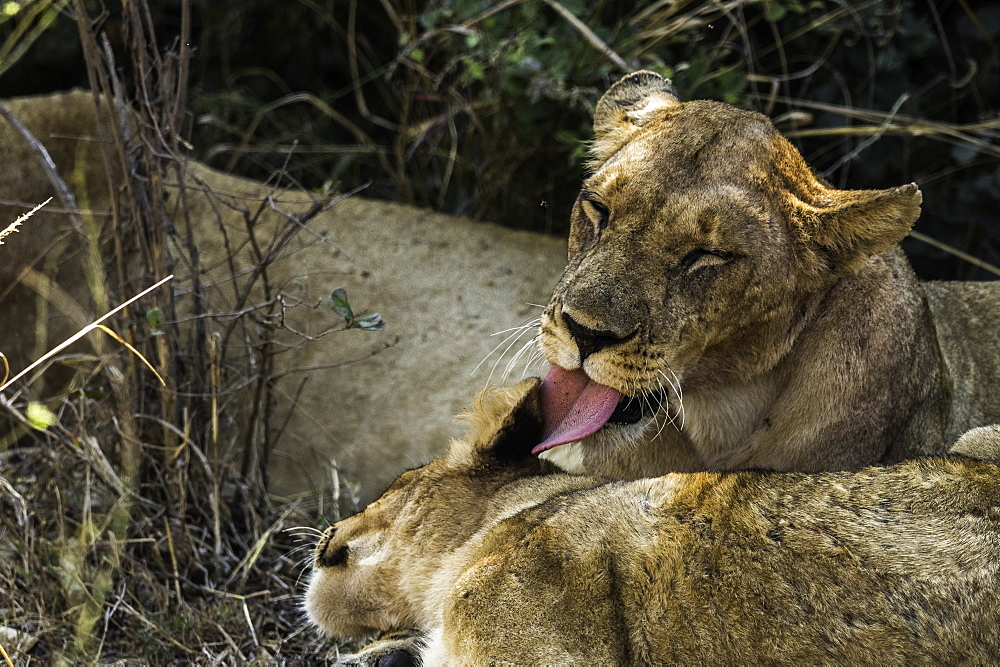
(483, 108)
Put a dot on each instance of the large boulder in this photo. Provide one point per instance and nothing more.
(373, 402)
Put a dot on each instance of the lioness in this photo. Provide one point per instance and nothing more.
(500, 557)
(724, 309)
(443, 284)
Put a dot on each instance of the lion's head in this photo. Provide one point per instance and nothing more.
(376, 571)
(699, 245)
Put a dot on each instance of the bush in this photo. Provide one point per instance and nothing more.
(483, 108)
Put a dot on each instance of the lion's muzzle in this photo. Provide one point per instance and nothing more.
(588, 341)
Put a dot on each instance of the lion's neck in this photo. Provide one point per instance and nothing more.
(718, 421)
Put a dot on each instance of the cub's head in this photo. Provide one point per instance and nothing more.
(695, 244)
(372, 571)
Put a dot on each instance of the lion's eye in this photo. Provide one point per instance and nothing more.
(596, 212)
(699, 258)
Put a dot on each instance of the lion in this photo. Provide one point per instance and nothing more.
(723, 308)
(443, 284)
(497, 556)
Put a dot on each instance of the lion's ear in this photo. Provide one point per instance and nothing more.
(628, 105)
(505, 424)
(849, 226)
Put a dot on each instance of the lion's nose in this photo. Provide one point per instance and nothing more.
(330, 554)
(588, 340)
(320, 555)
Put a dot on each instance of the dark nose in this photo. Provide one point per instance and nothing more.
(588, 340)
(397, 658)
(326, 554)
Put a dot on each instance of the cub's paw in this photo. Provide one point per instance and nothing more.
(392, 649)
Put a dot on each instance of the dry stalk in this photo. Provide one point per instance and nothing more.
(63, 192)
(952, 250)
(83, 332)
(13, 227)
(590, 36)
(137, 508)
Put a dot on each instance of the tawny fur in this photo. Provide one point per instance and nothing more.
(799, 339)
(498, 557)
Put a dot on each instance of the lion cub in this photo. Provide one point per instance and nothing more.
(498, 556)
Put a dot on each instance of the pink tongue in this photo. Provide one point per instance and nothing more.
(573, 407)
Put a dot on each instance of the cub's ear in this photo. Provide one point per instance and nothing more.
(505, 424)
(628, 105)
(982, 443)
(847, 227)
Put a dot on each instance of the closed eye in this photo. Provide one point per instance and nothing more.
(596, 212)
(699, 258)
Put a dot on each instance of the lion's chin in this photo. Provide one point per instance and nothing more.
(633, 409)
(577, 457)
(616, 434)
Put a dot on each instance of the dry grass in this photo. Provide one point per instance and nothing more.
(93, 571)
(126, 533)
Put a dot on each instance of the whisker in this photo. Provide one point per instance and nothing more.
(304, 568)
(517, 355)
(667, 419)
(533, 358)
(518, 331)
(304, 530)
(648, 405)
(676, 389)
(513, 338)
(307, 548)
(529, 324)
(654, 411)
(680, 396)
(529, 352)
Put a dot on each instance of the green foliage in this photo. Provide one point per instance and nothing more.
(26, 22)
(483, 108)
(342, 306)
(39, 416)
(154, 317)
(522, 75)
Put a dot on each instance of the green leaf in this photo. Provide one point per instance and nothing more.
(373, 322)
(430, 18)
(774, 11)
(40, 416)
(568, 137)
(340, 304)
(474, 70)
(154, 316)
